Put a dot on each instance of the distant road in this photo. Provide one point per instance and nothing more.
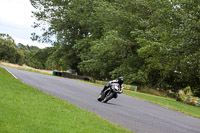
(134, 114)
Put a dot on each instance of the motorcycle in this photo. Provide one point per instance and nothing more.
(110, 93)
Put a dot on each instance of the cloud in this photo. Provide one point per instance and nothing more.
(16, 20)
(30, 43)
(16, 12)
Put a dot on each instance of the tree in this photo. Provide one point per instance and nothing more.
(170, 44)
(9, 51)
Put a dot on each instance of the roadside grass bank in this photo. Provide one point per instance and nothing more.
(167, 102)
(26, 68)
(27, 110)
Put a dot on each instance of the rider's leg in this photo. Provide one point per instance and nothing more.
(105, 87)
(115, 95)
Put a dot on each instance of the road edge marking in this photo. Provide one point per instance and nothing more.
(11, 73)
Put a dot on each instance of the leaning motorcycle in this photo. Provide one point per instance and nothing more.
(110, 93)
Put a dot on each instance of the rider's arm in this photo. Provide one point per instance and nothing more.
(121, 89)
(113, 81)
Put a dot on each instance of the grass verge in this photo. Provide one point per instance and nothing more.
(26, 68)
(167, 102)
(27, 110)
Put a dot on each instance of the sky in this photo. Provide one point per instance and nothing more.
(16, 20)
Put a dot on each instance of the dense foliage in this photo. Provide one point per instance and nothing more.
(152, 43)
(21, 54)
(35, 57)
(9, 51)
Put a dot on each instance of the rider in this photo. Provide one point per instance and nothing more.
(119, 81)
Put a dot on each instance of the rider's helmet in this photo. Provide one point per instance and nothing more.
(121, 80)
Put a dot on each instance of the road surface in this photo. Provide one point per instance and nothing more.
(134, 114)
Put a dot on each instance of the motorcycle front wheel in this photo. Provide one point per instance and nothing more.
(100, 98)
(108, 97)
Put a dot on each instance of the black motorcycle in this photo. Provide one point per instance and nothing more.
(110, 93)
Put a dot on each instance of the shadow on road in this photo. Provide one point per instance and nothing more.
(113, 104)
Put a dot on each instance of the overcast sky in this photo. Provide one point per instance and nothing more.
(16, 20)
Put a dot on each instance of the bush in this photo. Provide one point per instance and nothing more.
(181, 96)
(188, 91)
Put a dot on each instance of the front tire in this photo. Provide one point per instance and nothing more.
(100, 98)
(108, 97)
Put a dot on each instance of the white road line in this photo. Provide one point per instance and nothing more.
(11, 73)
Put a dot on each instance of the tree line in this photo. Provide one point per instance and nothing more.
(23, 54)
(9, 50)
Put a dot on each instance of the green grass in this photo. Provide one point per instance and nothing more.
(167, 102)
(24, 109)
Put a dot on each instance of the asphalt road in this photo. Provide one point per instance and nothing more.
(136, 115)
